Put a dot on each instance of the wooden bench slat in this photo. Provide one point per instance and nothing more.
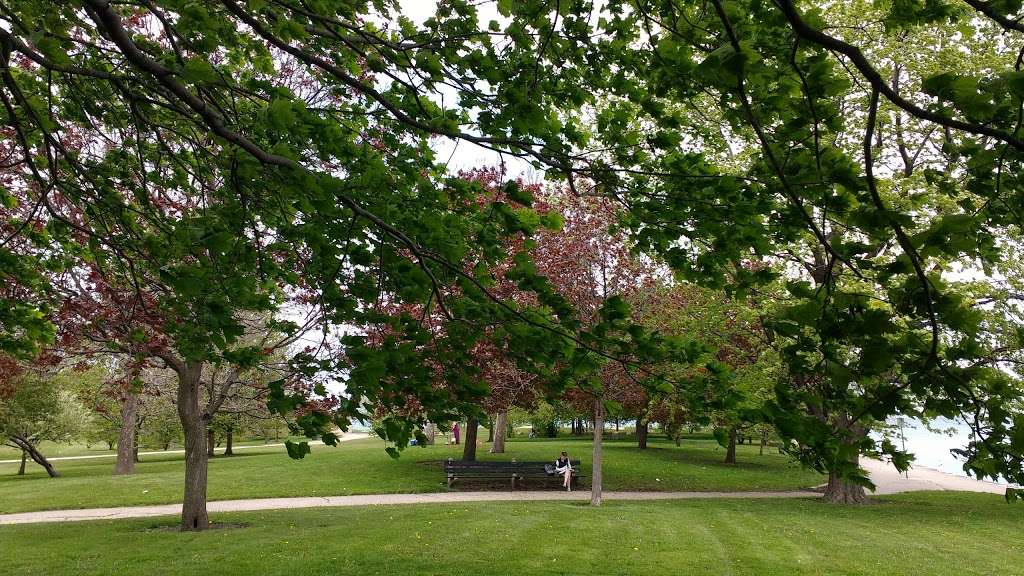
(503, 469)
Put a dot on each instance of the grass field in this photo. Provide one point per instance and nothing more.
(918, 534)
(52, 450)
(362, 467)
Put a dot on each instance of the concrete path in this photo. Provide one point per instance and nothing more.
(889, 481)
(372, 500)
(345, 437)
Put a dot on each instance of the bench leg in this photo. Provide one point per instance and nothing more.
(513, 481)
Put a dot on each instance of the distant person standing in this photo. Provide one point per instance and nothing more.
(456, 432)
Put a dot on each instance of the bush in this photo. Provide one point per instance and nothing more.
(544, 421)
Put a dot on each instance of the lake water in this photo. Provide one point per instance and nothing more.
(932, 449)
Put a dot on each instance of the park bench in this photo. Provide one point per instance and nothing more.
(512, 471)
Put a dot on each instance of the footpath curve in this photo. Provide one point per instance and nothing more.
(371, 500)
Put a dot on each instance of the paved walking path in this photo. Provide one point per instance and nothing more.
(371, 500)
(888, 481)
(884, 475)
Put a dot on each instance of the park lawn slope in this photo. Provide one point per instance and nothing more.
(919, 534)
(362, 467)
(77, 449)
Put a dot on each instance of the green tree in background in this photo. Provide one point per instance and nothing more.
(41, 406)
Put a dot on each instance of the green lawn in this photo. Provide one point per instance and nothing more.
(362, 467)
(51, 449)
(919, 534)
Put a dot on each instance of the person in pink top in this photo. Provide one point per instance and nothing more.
(456, 431)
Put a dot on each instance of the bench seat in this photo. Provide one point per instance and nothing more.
(512, 471)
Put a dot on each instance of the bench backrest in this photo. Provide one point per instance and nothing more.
(458, 465)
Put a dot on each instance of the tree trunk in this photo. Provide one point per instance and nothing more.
(641, 434)
(228, 439)
(764, 441)
(595, 470)
(469, 450)
(210, 442)
(135, 443)
(110, 445)
(36, 455)
(616, 424)
(837, 490)
(193, 423)
(840, 491)
(490, 429)
(24, 458)
(730, 452)
(501, 423)
(126, 441)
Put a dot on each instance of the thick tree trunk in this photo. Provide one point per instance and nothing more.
(730, 452)
(126, 441)
(228, 441)
(469, 450)
(210, 442)
(595, 474)
(36, 455)
(193, 423)
(501, 423)
(616, 424)
(839, 491)
(24, 458)
(641, 434)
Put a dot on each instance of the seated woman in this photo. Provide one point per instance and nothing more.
(564, 467)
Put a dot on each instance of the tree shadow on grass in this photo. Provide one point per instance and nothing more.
(702, 457)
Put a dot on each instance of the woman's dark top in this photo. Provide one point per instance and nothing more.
(562, 463)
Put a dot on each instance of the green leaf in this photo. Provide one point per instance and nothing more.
(517, 193)
(197, 71)
(297, 450)
(722, 436)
